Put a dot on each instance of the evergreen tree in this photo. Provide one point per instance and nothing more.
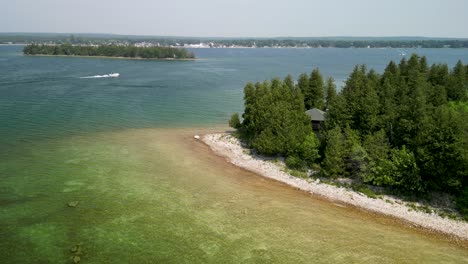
(333, 163)
(337, 114)
(389, 110)
(407, 108)
(331, 92)
(423, 67)
(437, 95)
(373, 78)
(403, 67)
(289, 82)
(400, 171)
(303, 85)
(249, 124)
(458, 84)
(274, 117)
(309, 149)
(438, 75)
(317, 89)
(234, 122)
(411, 101)
(355, 156)
(377, 145)
(442, 149)
(362, 102)
(391, 74)
(314, 95)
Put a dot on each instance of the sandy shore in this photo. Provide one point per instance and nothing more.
(230, 148)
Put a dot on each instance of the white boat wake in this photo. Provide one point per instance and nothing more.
(110, 75)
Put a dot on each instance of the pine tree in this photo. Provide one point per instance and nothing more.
(356, 158)
(389, 110)
(274, 117)
(234, 122)
(423, 67)
(308, 151)
(303, 86)
(403, 67)
(331, 92)
(391, 73)
(438, 95)
(248, 123)
(438, 75)
(377, 147)
(333, 164)
(315, 96)
(458, 84)
(441, 151)
(289, 82)
(362, 102)
(337, 113)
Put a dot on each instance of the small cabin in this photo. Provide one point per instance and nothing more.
(317, 117)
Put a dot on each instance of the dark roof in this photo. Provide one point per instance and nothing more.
(316, 114)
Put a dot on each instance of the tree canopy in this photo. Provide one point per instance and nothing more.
(406, 128)
(109, 51)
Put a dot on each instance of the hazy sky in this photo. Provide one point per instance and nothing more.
(236, 18)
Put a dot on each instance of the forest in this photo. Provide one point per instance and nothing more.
(405, 129)
(126, 51)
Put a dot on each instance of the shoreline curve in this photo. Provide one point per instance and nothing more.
(231, 148)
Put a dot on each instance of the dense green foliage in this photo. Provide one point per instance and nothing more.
(234, 122)
(330, 93)
(333, 163)
(274, 120)
(109, 51)
(412, 125)
(315, 93)
(406, 129)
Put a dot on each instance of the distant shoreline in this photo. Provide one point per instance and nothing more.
(110, 57)
(13, 44)
(246, 47)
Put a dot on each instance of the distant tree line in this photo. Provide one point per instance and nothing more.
(109, 51)
(245, 42)
(344, 43)
(405, 129)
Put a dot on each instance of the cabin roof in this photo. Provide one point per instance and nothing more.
(316, 114)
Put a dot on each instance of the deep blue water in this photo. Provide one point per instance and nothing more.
(45, 96)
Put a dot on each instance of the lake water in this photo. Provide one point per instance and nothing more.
(147, 191)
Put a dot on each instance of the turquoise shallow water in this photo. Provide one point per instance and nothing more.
(149, 193)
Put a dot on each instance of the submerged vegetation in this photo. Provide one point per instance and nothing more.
(405, 129)
(109, 51)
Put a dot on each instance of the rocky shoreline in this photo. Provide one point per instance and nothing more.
(229, 147)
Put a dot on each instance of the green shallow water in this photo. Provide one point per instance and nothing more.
(147, 191)
(159, 196)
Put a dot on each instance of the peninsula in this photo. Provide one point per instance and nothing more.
(114, 51)
(398, 134)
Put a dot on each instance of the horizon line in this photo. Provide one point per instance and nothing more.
(231, 37)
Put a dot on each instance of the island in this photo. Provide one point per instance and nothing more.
(114, 51)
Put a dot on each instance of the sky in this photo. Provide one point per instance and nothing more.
(239, 18)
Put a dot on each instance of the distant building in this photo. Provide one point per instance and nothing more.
(317, 116)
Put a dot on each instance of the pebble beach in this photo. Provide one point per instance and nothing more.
(232, 149)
